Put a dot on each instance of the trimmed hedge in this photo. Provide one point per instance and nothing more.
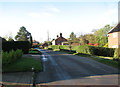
(102, 51)
(14, 45)
(11, 56)
(86, 49)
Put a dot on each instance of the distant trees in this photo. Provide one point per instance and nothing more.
(10, 39)
(73, 38)
(98, 36)
(101, 35)
(83, 40)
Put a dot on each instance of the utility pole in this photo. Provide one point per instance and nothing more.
(48, 35)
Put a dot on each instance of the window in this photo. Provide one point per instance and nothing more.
(115, 46)
(114, 35)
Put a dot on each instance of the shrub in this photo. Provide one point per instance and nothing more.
(55, 47)
(117, 53)
(66, 47)
(82, 49)
(14, 45)
(106, 45)
(11, 57)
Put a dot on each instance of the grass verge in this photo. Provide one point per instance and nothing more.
(33, 52)
(24, 64)
(105, 60)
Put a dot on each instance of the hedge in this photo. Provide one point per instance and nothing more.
(86, 49)
(11, 56)
(14, 45)
(100, 51)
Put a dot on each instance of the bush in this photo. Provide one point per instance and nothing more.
(85, 49)
(14, 45)
(11, 57)
(117, 53)
(106, 45)
(55, 47)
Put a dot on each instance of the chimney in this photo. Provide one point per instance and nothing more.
(60, 34)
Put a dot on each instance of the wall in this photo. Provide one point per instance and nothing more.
(119, 38)
(112, 40)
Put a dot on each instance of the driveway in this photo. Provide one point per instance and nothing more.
(66, 69)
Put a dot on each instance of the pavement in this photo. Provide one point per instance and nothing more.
(67, 69)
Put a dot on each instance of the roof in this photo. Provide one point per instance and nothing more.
(61, 38)
(115, 29)
(45, 44)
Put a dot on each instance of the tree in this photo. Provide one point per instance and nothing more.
(90, 38)
(83, 40)
(24, 35)
(21, 35)
(10, 39)
(101, 35)
(73, 38)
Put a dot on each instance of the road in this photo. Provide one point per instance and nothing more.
(67, 69)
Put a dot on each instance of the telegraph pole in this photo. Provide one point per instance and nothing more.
(48, 35)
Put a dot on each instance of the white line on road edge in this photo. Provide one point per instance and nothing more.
(44, 59)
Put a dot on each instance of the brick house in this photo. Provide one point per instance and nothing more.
(60, 40)
(114, 37)
(45, 45)
(35, 43)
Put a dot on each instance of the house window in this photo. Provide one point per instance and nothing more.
(115, 46)
(114, 35)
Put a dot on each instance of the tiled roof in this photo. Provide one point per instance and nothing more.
(115, 29)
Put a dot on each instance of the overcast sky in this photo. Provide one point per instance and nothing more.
(55, 17)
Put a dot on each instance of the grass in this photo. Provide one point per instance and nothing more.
(101, 59)
(33, 52)
(105, 57)
(105, 60)
(24, 64)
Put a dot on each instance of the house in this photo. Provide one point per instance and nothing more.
(114, 37)
(35, 43)
(60, 40)
(45, 45)
(75, 44)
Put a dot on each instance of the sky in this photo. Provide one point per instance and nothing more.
(41, 17)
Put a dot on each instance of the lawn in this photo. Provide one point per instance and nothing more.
(24, 64)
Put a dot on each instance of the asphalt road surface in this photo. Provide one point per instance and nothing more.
(66, 69)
